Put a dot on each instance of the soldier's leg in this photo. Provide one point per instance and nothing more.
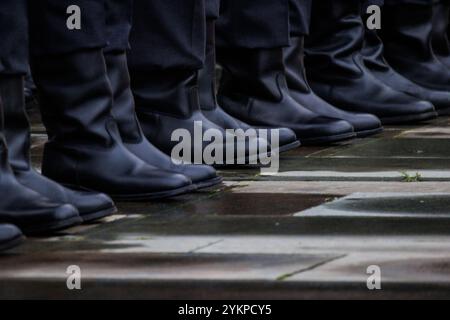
(17, 132)
(119, 16)
(299, 87)
(168, 50)
(207, 86)
(19, 205)
(407, 33)
(85, 149)
(373, 55)
(250, 40)
(336, 69)
(12, 57)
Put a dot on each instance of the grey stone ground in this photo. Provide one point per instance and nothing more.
(309, 232)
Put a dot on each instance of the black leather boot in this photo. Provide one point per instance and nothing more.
(254, 89)
(407, 37)
(364, 124)
(25, 208)
(168, 102)
(85, 149)
(10, 237)
(373, 55)
(131, 133)
(439, 38)
(91, 206)
(337, 73)
(212, 110)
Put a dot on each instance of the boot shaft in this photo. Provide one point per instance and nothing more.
(75, 97)
(332, 46)
(440, 40)
(294, 60)
(123, 109)
(407, 29)
(16, 124)
(3, 152)
(253, 72)
(373, 48)
(339, 15)
(167, 92)
(5, 168)
(207, 75)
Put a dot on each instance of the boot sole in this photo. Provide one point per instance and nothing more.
(12, 243)
(367, 133)
(328, 139)
(97, 215)
(288, 147)
(48, 228)
(154, 195)
(409, 119)
(208, 183)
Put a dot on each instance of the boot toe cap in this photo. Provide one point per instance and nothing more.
(200, 173)
(89, 202)
(323, 126)
(441, 100)
(63, 213)
(424, 107)
(287, 136)
(173, 181)
(366, 122)
(9, 232)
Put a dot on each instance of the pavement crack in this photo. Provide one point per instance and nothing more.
(206, 246)
(314, 266)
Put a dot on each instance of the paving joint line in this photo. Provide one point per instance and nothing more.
(315, 266)
(210, 244)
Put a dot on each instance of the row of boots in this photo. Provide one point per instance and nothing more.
(344, 77)
(110, 134)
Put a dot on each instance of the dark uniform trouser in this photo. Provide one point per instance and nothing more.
(49, 33)
(13, 37)
(119, 15)
(168, 34)
(104, 23)
(262, 24)
(253, 24)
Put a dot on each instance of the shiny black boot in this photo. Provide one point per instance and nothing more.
(407, 37)
(212, 110)
(168, 107)
(373, 55)
(336, 70)
(25, 208)
(131, 133)
(91, 206)
(10, 237)
(364, 124)
(85, 150)
(254, 89)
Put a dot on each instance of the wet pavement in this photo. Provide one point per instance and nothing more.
(311, 231)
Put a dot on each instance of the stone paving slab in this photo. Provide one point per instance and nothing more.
(395, 267)
(381, 205)
(159, 266)
(309, 232)
(415, 175)
(396, 149)
(361, 164)
(233, 277)
(340, 188)
(424, 133)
